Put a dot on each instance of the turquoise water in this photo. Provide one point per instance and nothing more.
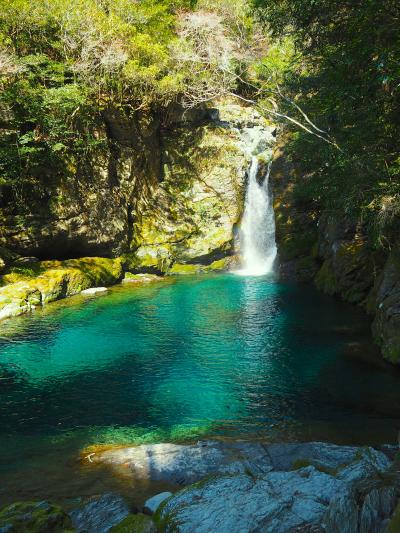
(209, 356)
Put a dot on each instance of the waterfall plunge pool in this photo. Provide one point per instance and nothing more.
(212, 356)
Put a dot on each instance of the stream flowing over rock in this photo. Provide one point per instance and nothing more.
(241, 487)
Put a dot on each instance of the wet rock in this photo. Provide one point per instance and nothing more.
(34, 517)
(152, 504)
(240, 487)
(94, 290)
(181, 465)
(135, 523)
(378, 505)
(100, 513)
(277, 502)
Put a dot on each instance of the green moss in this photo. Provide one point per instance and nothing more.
(391, 350)
(34, 517)
(296, 242)
(325, 279)
(394, 524)
(220, 264)
(55, 280)
(180, 268)
(138, 523)
(141, 278)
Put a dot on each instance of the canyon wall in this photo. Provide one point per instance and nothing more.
(335, 253)
(162, 194)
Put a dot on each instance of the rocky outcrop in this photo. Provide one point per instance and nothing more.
(99, 514)
(235, 487)
(241, 487)
(163, 196)
(43, 282)
(34, 517)
(334, 252)
(167, 185)
(191, 217)
(296, 230)
(385, 303)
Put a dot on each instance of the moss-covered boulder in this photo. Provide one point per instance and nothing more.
(47, 281)
(135, 523)
(34, 517)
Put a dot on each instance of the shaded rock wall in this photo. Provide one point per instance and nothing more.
(334, 253)
(167, 187)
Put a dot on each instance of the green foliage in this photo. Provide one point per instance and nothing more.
(346, 77)
(64, 62)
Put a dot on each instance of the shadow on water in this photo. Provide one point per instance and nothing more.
(217, 356)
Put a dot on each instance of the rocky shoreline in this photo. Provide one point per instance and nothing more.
(176, 214)
(235, 487)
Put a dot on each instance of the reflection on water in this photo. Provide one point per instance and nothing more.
(215, 356)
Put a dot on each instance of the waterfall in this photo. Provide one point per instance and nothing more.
(257, 232)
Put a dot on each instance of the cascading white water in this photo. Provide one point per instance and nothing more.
(257, 232)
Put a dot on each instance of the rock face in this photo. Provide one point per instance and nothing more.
(35, 517)
(241, 487)
(335, 253)
(169, 187)
(100, 514)
(162, 197)
(189, 221)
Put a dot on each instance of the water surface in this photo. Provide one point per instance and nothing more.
(219, 356)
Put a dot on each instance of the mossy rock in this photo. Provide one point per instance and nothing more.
(48, 281)
(135, 523)
(394, 523)
(184, 269)
(391, 349)
(34, 517)
(141, 278)
(325, 279)
(296, 243)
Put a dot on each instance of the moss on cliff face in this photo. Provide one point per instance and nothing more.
(296, 228)
(191, 215)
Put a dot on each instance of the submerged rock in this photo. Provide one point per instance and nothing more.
(34, 517)
(100, 513)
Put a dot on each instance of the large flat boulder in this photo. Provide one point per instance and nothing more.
(248, 487)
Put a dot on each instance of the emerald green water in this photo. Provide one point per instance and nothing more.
(218, 356)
